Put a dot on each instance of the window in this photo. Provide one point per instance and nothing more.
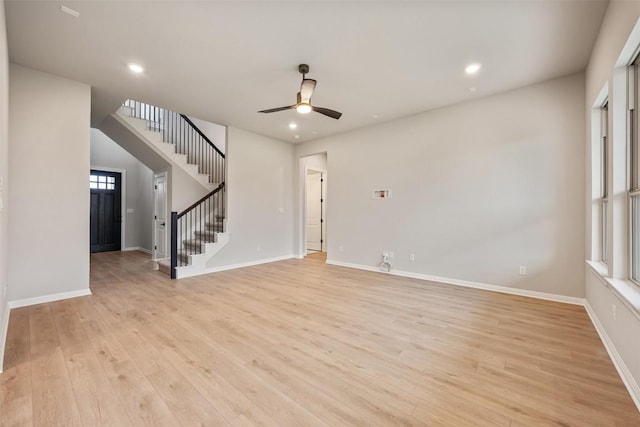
(634, 172)
(604, 182)
(102, 182)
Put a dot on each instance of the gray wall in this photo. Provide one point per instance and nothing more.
(216, 133)
(105, 153)
(603, 71)
(4, 176)
(49, 197)
(479, 189)
(259, 199)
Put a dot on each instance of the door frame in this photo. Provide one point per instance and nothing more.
(123, 201)
(324, 231)
(167, 215)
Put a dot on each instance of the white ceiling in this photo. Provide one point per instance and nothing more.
(223, 61)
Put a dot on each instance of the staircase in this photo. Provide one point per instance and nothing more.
(198, 232)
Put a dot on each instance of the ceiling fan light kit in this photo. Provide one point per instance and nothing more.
(303, 108)
(303, 104)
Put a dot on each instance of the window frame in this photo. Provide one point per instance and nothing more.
(604, 181)
(633, 193)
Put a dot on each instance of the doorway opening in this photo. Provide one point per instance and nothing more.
(160, 250)
(106, 212)
(314, 224)
(315, 211)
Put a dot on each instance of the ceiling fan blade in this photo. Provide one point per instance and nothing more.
(273, 110)
(306, 89)
(327, 112)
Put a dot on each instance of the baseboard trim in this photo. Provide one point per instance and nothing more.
(4, 328)
(186, 274)
(467, 284)
(48, 298)
(632, 386)
(137, 248)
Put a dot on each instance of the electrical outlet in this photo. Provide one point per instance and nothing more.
(523, 270)
(614, 311)
(412, 256)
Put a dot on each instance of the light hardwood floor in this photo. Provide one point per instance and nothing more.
(302, 343)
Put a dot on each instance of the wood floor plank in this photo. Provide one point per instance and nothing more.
(300, 342)
(100, 405)
(54, 401)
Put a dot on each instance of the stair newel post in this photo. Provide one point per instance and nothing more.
(174, 243)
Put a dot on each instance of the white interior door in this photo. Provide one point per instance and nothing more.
(314, 211)
(160, 216)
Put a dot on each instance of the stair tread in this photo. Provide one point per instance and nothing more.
(213, 230)
(206, 233)
(164, 265)
(196, 242)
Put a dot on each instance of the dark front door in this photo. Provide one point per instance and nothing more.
(106, 216)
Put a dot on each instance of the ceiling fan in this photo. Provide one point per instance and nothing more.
(304, 98)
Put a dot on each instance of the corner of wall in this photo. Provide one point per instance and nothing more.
(618, 361)
(4, 327)
(4, 175)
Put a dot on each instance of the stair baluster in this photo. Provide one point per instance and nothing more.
(197, 225)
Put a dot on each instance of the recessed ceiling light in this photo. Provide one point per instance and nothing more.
(375, 116)
(472, 68)
(292, 125)
(135, 68)
(297, 137)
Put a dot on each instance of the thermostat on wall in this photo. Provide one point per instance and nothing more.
(381, 194)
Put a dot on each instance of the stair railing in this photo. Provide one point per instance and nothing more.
(195, 226)
(180, 131)
(199, 223)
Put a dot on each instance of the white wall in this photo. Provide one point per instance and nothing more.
(138, 188)
(259, 188)
(315, 161)
(479, 189)
(4, 177)
(49, 198)
(620, 21)
(184, 190)
(216, 133)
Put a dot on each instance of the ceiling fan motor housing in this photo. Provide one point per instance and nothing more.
(303, 104)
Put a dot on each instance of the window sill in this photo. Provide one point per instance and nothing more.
(626, 291)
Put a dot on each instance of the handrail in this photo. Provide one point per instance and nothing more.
(214, 191)
(197, 129)
(199, 223)
(180, 131)
(195, 226)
